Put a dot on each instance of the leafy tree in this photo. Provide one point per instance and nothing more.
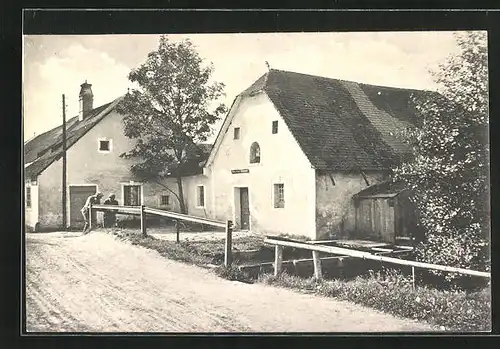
(449, 175)
(170, 112)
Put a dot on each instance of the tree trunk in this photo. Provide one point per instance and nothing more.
(181, 195)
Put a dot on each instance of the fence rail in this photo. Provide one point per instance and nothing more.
(279, 244)
(143, 210)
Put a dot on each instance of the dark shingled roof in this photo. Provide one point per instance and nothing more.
(341, 125)
(46, 148)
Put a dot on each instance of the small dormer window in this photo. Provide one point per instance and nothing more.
(255, 153)
(104, 145)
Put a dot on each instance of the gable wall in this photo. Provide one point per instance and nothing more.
(86, 165)
(282, 161)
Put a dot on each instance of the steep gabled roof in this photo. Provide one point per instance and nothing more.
(46, 148)
(341, 125)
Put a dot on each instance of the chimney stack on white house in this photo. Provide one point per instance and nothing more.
(86, 100)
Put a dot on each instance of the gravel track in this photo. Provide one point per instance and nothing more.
(96, 283)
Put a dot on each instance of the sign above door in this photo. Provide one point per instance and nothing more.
(246, 170)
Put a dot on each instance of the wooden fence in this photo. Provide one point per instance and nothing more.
(317, 248)
(142, 211)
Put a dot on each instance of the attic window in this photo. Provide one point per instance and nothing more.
(104, 145)
(275, 126)
(236, 133)
(255, 153)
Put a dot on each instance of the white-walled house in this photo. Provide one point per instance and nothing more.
(294, 149)
(95, 140)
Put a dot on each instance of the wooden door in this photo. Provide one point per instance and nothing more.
(244, 209)
(77, 197)
(363, 219)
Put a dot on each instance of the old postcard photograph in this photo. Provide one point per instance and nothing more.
(257, 182)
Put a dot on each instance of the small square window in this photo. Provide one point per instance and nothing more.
(103, 145)
(279, 195)
(236, 133)
(165, 200)
(275, 127)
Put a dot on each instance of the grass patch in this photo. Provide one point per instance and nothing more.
(393, 293)
(294, 237)
(232, 273)
(193, 252)
(169, 249)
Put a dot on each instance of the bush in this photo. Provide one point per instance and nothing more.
(232, 273)
(393, 293)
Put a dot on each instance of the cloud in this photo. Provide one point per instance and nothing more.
(62, 73)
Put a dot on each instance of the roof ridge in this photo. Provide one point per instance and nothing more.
(350, 81)
(68, 120)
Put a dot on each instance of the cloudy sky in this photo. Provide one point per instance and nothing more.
(56, 65)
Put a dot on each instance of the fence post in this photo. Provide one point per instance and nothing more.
(340, 265)
(143, 221)
(90, 216)
(413, 276)
(177, 227)
(278, 259)
(317, 265)
(228, 256)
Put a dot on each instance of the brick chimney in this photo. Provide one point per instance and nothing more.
(86, 100)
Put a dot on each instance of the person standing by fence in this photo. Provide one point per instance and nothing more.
(109, 218)
(94, 200)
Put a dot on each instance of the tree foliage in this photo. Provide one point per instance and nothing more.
(171, 110)
(449, 175)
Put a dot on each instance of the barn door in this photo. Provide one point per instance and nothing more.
(375, 220)
(383, 222)
(77, 197)
(363, 219)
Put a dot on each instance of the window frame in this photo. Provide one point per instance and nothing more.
(28, 193)
(141, 199)
(110, 145)
(236, 133)
(251, 157)
(276, 191)
(274, 127)
(167, 201)
(198, 196)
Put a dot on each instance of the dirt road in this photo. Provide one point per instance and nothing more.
(99, 284)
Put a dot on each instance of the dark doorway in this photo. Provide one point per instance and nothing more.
(244, 209)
